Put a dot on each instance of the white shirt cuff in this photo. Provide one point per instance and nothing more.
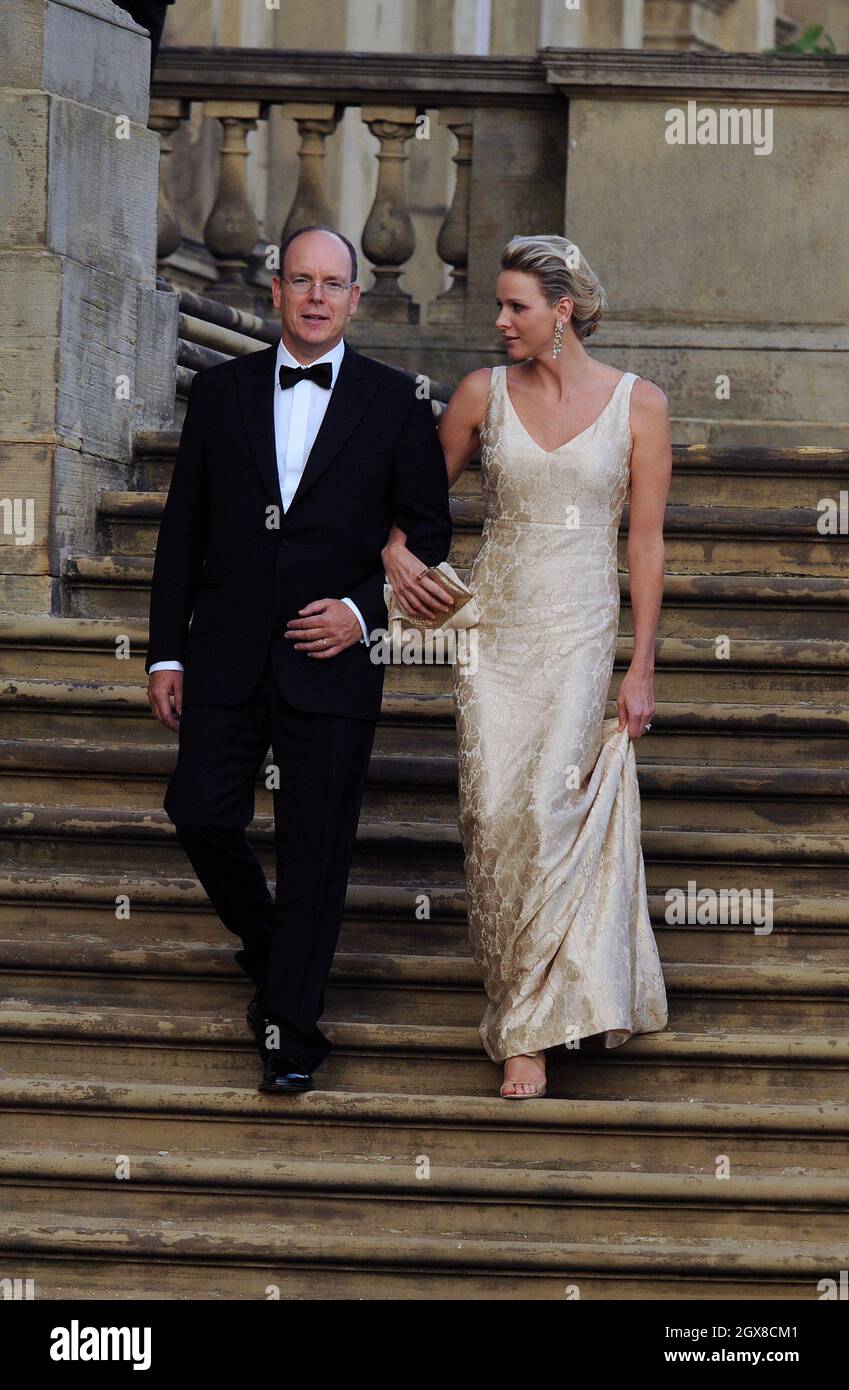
(354, 609)
(165, 666)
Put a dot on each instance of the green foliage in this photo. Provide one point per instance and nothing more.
(813, 39)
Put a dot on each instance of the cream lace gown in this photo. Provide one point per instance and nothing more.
(549, 802)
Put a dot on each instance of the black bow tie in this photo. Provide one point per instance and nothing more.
(321, 374)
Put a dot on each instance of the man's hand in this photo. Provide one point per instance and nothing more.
(324, 628)
(161, 687)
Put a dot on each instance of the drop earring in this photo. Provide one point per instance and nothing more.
(558, 338)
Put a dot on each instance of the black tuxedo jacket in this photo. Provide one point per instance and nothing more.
(232, 567)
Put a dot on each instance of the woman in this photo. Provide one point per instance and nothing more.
(549, 801)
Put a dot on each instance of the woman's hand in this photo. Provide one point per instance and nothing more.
(422, 597)
(636, 702)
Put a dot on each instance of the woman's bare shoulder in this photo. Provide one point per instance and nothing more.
(648, 400)
(469, 399)
(475, 386)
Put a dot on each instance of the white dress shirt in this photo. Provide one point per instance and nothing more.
(298, 413)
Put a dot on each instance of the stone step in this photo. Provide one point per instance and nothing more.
(810, 917)
(781, 671)
(57, 673)
(694, 604)
(701, 474)
(66, 772)
(73, 1256)
(129, 519)
(462, 1202)
(425, 751)
(61, 1039)
(601, 1136)
(699, 540)
(395, 987)
(90, 836)
(809, 733)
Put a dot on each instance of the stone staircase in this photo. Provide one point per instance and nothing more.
(405, 1176)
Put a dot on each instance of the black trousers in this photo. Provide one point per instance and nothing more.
(321, 763)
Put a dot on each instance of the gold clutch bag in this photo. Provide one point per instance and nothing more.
(464, 612)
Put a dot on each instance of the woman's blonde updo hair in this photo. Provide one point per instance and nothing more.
(561, 270)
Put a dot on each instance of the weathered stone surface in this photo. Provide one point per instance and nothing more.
(80, 311)
(712, 232)
(30, 295)
(158, 313)
(28, 593)
(26, 497)
(100, 191)
(75, 48)
(517, 187)
(72, 185)
(79, 479)
(70, 371)
(97, 360)
(23, 168)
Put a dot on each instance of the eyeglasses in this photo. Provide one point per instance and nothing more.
(302, 284)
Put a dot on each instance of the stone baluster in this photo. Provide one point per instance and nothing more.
(166, 114)
(452, 243)
(315, 122)
(388, 237)
(232, 229)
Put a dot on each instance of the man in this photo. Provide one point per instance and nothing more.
(293, 464)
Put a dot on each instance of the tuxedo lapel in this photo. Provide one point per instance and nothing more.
(256, 397)
(352, 392)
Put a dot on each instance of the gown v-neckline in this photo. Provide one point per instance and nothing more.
(608, 403)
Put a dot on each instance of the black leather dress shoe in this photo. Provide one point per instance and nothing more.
(284, 1074)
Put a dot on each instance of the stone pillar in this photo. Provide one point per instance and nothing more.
(166, 117)
(518, 181)
(231, 229)
(452, 244)
(693, 25)
(598, 24)
(561, 24)
(751, 26)
(315, 121)
(88, 342)
(388, 236)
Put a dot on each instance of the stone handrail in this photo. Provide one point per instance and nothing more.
(432, 80)
(209, 333)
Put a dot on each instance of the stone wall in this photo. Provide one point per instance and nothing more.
(718, 261)
(87, 342)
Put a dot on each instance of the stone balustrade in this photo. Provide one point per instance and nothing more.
(507, 103)
(724, 263)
